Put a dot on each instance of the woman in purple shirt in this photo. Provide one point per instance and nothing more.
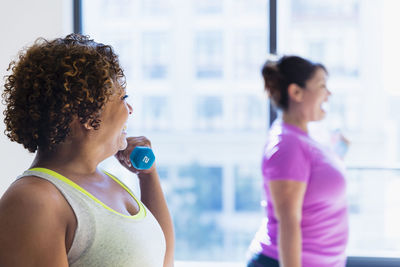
(304, 182)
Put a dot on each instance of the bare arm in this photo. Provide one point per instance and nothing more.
(153, 198)
(32, 226)
(287, 197)
(152, 195)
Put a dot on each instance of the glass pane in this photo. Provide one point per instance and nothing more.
(249, 48)
(209, 54)
(351, 38)
(373, 198)
(153, 7)
(247, 188)
(208, 6)
(193, 77)
(155, 55)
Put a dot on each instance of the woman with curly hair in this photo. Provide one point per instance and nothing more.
(66, 101)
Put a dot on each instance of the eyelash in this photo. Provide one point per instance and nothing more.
(124, 97)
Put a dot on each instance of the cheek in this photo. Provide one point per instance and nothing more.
(126, 115)
(316, 109)
(312, 104)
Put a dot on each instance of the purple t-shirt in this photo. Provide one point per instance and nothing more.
(291, 154)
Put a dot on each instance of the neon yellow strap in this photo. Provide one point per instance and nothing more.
(141, 214)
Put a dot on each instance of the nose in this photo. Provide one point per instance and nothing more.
(328, 92)
(130, 109)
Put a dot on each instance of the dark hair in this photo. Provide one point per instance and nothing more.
(278, 75)
(53, 82)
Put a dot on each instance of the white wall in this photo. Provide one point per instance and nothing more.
(21, 22)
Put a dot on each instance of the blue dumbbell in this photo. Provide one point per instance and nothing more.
(142, 157)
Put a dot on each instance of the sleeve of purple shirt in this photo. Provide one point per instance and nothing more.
(286, 159)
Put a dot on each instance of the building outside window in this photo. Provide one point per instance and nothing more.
(250, 47)
(156, 111)
(153, 7)
(193, 71)
(182, 61)
(155, 55)
(208, 7)
(209, 55)
(209, 110)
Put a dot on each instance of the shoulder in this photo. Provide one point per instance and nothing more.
(284, 143)
(32, 198)
(33, 190)
(287, 148)
(33, 221)
(286, 156)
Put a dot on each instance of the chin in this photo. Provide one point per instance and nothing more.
(321, 115)
(123, 146)
(319, 118)
(122, 143)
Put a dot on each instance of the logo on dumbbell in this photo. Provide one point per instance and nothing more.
(142, 158)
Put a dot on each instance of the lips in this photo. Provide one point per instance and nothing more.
(325, 106)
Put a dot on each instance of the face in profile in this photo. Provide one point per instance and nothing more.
(316, 96)
(114, 121)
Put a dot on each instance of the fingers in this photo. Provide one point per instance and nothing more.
(134, 142)
(123, 156)
(138, 141)
(125, 159)
(122, 159)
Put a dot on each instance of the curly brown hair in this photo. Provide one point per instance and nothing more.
(53, 82)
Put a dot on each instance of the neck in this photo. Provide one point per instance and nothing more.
(295, 118)
(68, 158)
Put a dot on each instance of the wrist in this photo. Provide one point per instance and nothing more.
(148, 174)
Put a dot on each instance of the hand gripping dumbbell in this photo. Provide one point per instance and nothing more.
(142, 157)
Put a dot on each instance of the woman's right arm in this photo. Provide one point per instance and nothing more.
(32, 225)
(152, 195)
(287, 198)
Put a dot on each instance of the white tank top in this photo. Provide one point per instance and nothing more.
(105, 237)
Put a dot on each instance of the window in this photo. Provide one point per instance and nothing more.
(246, 182)
(193, 72)
(124, 47)
(209, 112)
(156, 113)
(248, 113)
(250, 49)
(181, 61)
(250, 7)
(207, 7)
(153, 7)
(155, 55)
(112, 11)
(209, 54)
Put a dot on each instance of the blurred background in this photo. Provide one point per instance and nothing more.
(193, 79)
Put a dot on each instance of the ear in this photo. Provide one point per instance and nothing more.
(87, 125)
(78, 128)
(295, 92)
